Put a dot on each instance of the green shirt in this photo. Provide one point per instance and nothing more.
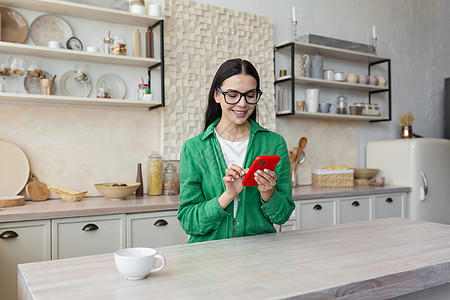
(202, 168)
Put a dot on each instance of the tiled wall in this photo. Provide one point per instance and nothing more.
(198, 39)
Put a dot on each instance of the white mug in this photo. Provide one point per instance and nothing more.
(312, 100)
(137, 263)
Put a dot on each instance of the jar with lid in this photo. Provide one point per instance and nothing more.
(155, 174)
(142, 90)
(137, 7)
(107, 45)
(171, 180)
(341, 104)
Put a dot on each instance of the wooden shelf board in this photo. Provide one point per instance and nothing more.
(332, 52)
(57, 99)
(22, 49)
(84, 11)
(331, 116)
(332, 84)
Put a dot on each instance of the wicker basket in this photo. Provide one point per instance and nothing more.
(332, 178)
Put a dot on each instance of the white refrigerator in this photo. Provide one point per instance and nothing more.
(422, 164)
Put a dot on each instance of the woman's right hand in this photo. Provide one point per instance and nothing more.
(233, 184)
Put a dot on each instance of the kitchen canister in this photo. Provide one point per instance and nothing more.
(328, 74)
(155, 174)
(154, 10)
(312, 100)
(339, 76)
(316, 66)
(171, 180)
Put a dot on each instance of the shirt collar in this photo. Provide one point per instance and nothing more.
(254, 128)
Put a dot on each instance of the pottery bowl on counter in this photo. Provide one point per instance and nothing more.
(364, 173)
(117, 190)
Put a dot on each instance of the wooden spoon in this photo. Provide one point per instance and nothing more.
(37, 191)
(301, 145)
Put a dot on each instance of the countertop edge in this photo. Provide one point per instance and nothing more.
(97, 206)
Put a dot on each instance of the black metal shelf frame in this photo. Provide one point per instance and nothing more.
(292, 79)
(160, 65)
(389, 91)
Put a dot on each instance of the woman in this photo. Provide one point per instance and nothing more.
(213, 202)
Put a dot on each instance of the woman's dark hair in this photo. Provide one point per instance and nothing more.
(229, 68)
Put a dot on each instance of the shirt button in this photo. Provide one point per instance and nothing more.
(238, 223)
(239, 199)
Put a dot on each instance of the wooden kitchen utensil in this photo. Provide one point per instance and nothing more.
(10, 201)
(37, 191)
(301, 145)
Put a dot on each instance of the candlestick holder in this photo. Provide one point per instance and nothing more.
(374, 42)
(294, 30)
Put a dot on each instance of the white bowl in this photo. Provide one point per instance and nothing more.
(137, 263)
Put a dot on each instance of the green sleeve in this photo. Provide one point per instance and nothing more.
(197, 215)
(279, 208)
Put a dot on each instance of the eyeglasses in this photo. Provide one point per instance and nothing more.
(233, 97)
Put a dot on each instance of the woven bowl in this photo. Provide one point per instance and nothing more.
(67, 194)
(364, 173)
(114, 190)
(71, 197)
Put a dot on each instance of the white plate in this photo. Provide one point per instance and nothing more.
(70, 87)
(47, 28)
(114, 84)
(14, 170)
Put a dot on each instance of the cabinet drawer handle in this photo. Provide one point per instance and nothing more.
(355, 203)
(9, 234)
(317, 207)
(389, 200)
(90, 227)
(161, 222)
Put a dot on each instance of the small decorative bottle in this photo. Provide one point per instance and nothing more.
(140, 190)
(155, 174)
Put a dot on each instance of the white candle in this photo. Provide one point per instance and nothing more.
(374, 32)
(294, 19)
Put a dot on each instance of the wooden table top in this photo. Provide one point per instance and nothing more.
(366, 260)
(93, 206)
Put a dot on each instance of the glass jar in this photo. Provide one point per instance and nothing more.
(107, 45)
(119, 46)
(155, 174)
(341, 104)
(142, 90)
(171, 180)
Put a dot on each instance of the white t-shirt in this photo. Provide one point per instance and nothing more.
(234, 153)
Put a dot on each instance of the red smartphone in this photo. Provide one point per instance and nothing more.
(260, 163)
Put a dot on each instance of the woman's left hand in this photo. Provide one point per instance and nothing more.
(266, 180)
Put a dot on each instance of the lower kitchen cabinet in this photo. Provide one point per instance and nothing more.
(387, 206)
(330, 211)
(72, 237)
(354, 209)
(154, 230)
(21, 242)
(317, 213)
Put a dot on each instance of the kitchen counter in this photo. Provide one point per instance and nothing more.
(368, 260)
(91, 206)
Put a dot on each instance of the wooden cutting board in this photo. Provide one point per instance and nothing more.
(37, 191)
(9, 201)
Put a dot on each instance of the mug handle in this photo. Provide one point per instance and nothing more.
(332, 106)
(163, 261)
